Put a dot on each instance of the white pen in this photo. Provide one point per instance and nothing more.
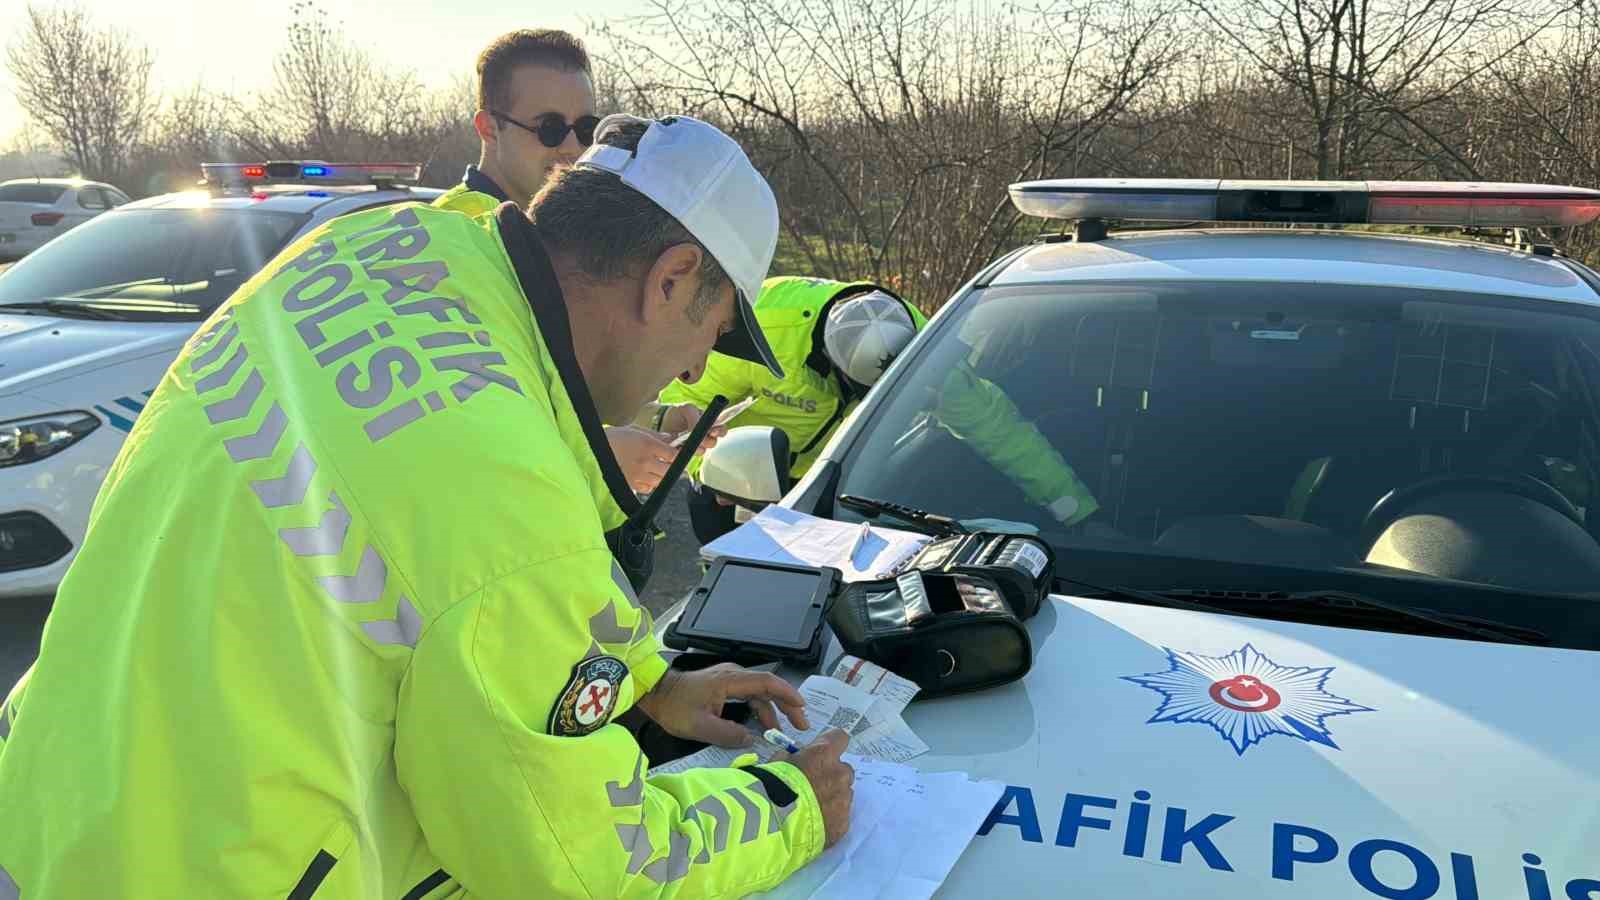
(777, 737)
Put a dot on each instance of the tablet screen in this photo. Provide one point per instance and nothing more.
(759, 605)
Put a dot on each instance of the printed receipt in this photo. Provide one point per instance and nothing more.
(893, 693)
(862, 699)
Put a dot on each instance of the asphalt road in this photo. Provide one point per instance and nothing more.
(21, 621)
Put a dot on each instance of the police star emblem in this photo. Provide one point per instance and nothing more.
(1245, 696)
(589, 697)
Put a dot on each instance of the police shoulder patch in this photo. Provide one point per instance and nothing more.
(589, 697)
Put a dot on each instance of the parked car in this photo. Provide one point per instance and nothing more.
(89, 324)
(36, 210)
(1334, 629)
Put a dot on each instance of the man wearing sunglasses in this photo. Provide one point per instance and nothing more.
(536, 110)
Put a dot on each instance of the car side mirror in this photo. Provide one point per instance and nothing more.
(749, 466)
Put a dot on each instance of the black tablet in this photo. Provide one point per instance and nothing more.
(749, 608)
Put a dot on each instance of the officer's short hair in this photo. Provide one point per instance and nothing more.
(525, 47)
(611, 229)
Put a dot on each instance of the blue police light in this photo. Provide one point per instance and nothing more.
(226, 176)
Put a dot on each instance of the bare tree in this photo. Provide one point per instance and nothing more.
(87, 87)
(331, 99)
(1362, 71)
(890, 128)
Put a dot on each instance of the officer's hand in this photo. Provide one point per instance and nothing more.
(644, 455)
(832, 780)
(689, 704)
(681, 418)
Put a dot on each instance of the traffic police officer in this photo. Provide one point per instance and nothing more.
(536, 111)
(344, 623)
(833, 340)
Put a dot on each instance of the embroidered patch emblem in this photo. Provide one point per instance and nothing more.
(589, 697)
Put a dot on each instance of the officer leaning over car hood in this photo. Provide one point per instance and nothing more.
(345, 622)
(834, 340)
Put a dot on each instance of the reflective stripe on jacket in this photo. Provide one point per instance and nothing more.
(345, 624)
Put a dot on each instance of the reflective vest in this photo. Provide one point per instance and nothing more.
(466, 200)
(811, 400)
(345, 625)
(475, 195)
(612, 496)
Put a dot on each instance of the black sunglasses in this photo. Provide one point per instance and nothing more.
(552, 128)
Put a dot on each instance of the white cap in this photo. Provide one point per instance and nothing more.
(702, 178)
(865, 333)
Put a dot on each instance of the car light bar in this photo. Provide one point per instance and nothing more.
(310, 172)
(1436, 203)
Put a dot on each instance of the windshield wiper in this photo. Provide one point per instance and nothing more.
(920, 519)
(64, 308)
(1120, 592)
(1498, 632)
(110, 290)
(1209, 602)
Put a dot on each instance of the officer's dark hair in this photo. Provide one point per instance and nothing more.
(611, 229)
(525, 47)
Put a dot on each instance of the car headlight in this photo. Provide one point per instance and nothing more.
(23, 441)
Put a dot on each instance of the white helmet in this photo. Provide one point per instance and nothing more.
(864, 333)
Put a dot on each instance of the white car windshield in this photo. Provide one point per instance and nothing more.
(151, 263)
(1261, 424)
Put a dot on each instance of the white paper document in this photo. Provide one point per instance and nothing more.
(712, 757)
(907, 830)
(892, 692)
(873, 722)
(891, 740)
(722, 419)
(782, 535)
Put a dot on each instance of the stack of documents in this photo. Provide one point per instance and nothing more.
(722, 419)
(860, 698)
(782, 535)
(907, 830)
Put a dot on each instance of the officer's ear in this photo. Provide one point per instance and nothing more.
(671, 283)
(483, 122)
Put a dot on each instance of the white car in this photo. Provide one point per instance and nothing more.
(36, 210)
(90, 322)
(1334, 631)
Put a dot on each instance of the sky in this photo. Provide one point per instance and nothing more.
(230, 46)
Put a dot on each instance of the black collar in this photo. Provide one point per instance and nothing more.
(549, 307)
(475, 180)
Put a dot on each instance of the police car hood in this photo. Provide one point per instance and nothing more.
(1161, 753)
(36, 351)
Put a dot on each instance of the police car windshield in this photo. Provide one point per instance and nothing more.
(151, 264)
(1260, 424)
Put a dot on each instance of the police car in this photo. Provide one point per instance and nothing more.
(90, 321)
(1333, 631)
